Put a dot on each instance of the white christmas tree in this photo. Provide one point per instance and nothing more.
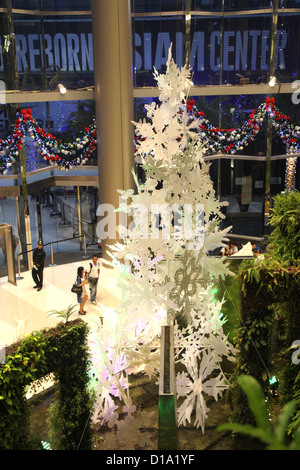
(170, 226)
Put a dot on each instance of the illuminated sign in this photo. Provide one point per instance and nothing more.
(242, 50)
(246, 46)
(247, 50)
(70, 52)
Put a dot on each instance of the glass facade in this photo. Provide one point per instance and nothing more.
(226, 42)
(50, 49)
(47, 42)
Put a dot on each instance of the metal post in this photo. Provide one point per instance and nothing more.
(51, 249)
(39, 216)
(79, 216)
(269, 123)
(19, 268)
(19, 226)
(10, 57)
(187, 33)
(167, 409)
(9, 251)
(220, 103)
(84, 243)
(26, 205)
(268, 174)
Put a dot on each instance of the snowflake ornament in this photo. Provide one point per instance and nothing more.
(164, 268)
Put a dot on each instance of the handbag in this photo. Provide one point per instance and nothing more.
(76, 289)
(93, 280)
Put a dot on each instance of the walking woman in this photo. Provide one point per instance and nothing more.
(82, 281)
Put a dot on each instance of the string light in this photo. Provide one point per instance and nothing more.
(290, 173)
(66, 155)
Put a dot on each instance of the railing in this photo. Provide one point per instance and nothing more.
(38, 176)
(236, 257)
(167, 409)
(51, 252)
(71, 216)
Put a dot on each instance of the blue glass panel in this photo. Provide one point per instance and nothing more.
(68, 51)
(144, 6)
(246, 49)
(206, 5)
(52, 5)
(152, 38)
(288, 48)
(28, 42)
(26, 4)
(229, 5)
(66, 5)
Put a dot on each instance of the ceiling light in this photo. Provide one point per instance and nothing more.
(62, 88)
(272, 81)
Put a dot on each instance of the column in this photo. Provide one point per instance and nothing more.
(267, 203)
(114, 99)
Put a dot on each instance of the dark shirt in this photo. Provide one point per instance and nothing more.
(39, 258)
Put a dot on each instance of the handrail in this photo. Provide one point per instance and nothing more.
(245, 237)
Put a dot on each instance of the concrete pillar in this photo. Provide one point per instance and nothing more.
(114, 98)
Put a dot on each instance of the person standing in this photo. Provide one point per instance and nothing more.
(94, 273)
(81, 281)
(38, 265)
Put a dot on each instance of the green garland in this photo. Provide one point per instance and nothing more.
(63, 351)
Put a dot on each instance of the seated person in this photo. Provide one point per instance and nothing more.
(255, 249)
(232, 249)
(225, 249)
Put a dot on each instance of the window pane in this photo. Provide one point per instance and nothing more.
(68, 55)
(28, 40)
(144, 6)
(245, 46)
(152, 38)
(66, 5)
(26, 5)
(53, 5)
(69, 49)
(288, 48)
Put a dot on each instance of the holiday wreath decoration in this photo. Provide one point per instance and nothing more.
(69, 155)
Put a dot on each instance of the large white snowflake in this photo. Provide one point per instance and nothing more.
(200, 348)
(163, 269)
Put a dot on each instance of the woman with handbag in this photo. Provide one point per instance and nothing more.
(81, 281)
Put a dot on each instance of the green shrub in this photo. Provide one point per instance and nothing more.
(63, 351)
(274, 439)
(284, 241)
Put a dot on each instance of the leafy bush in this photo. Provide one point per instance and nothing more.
(63, 351)
(284, 241)
(274, 439)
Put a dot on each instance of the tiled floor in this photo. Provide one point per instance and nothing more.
(24, 310)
